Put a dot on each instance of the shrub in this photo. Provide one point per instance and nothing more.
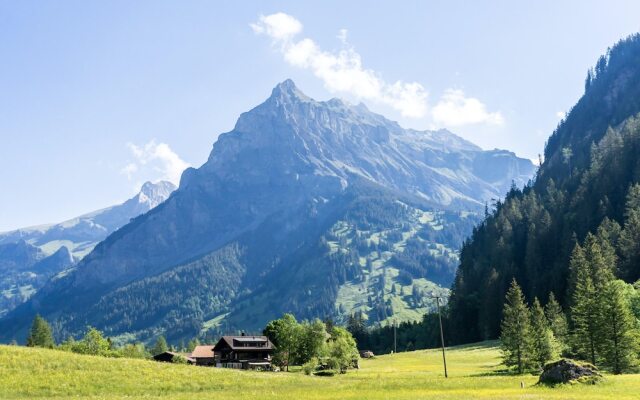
(310, 366)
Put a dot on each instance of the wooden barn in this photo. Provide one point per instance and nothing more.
(168, 356)
(243, 352)
(203, 355)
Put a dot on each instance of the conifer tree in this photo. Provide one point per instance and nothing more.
(619, 338)
(160, 346)
(515, 336)
(584, 310)
(557, 320)
(576, 262)
(193, 343)
(40, 334)
(544, 344)
(629, 243)
(600, 263)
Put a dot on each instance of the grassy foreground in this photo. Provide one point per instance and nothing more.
(35, 373)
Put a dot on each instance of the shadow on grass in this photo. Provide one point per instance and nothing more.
(500, 372)
(476, 346)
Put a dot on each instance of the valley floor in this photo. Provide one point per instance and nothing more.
(27, 373)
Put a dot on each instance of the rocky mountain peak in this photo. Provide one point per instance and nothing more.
(153, 194)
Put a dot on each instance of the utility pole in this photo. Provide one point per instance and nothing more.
(444, 358)
(395, 347)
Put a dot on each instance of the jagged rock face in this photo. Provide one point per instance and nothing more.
(292, 137)
(272, 187)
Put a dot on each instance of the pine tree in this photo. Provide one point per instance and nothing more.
(515, 336)
(40, 334)
(160, 346)
(557, 319)
(544, 344)
(576, 262)
(192, 344)
(601, 262)
(620, 339)
(584, 310)
(629, 243)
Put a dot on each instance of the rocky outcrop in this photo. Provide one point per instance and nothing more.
(569, 371)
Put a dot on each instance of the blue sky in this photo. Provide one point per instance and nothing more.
(98, 97)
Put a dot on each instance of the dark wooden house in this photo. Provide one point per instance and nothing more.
(243, 352)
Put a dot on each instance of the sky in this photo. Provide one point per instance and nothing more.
(98, 97)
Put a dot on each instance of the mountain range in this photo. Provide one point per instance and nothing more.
(29, 257)
(319, 208)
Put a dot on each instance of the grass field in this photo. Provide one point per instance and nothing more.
(34, 374)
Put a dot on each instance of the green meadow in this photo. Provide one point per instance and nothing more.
(474, 372)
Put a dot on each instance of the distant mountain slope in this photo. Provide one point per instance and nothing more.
(319, 208)
(81, 234)
(584, 186)
(30, 256)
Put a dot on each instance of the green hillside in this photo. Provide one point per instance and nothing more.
(28, 373)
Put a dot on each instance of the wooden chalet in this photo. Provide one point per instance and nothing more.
(203, 355)
(243, 352)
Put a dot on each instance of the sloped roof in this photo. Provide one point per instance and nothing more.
(244, 342)
(203, 351)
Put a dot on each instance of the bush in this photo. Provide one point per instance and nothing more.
(310, 366)
(178, 359)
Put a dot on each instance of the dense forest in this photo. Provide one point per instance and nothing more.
(584, 186)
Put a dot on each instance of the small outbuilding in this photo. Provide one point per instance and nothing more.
(168, 356)
(203, 355)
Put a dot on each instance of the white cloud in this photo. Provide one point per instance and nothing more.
(341, 71)
(455, 109)
(279, 26)
(561, 114)
(155, 159)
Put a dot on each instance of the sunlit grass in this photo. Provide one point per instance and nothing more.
(474, 372)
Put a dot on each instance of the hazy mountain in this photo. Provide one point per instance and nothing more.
(81, 234)
(317, 208)
(29, 257)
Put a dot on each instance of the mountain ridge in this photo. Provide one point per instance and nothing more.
(302, 208)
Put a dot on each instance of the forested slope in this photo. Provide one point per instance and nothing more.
(585, 185)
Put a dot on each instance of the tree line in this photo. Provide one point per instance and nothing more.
(601, 325)
(315, 345)
(584, 185)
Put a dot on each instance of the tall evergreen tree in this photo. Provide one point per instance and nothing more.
(544, 344)
(160, 346)
(515, 336)
(620, 340)
(557, 319)
(629, 243)
(601, 262)
(40, 334)
(584, 310)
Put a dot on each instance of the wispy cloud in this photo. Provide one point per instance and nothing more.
(156, 159)
(343, 71)
(455, 109)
